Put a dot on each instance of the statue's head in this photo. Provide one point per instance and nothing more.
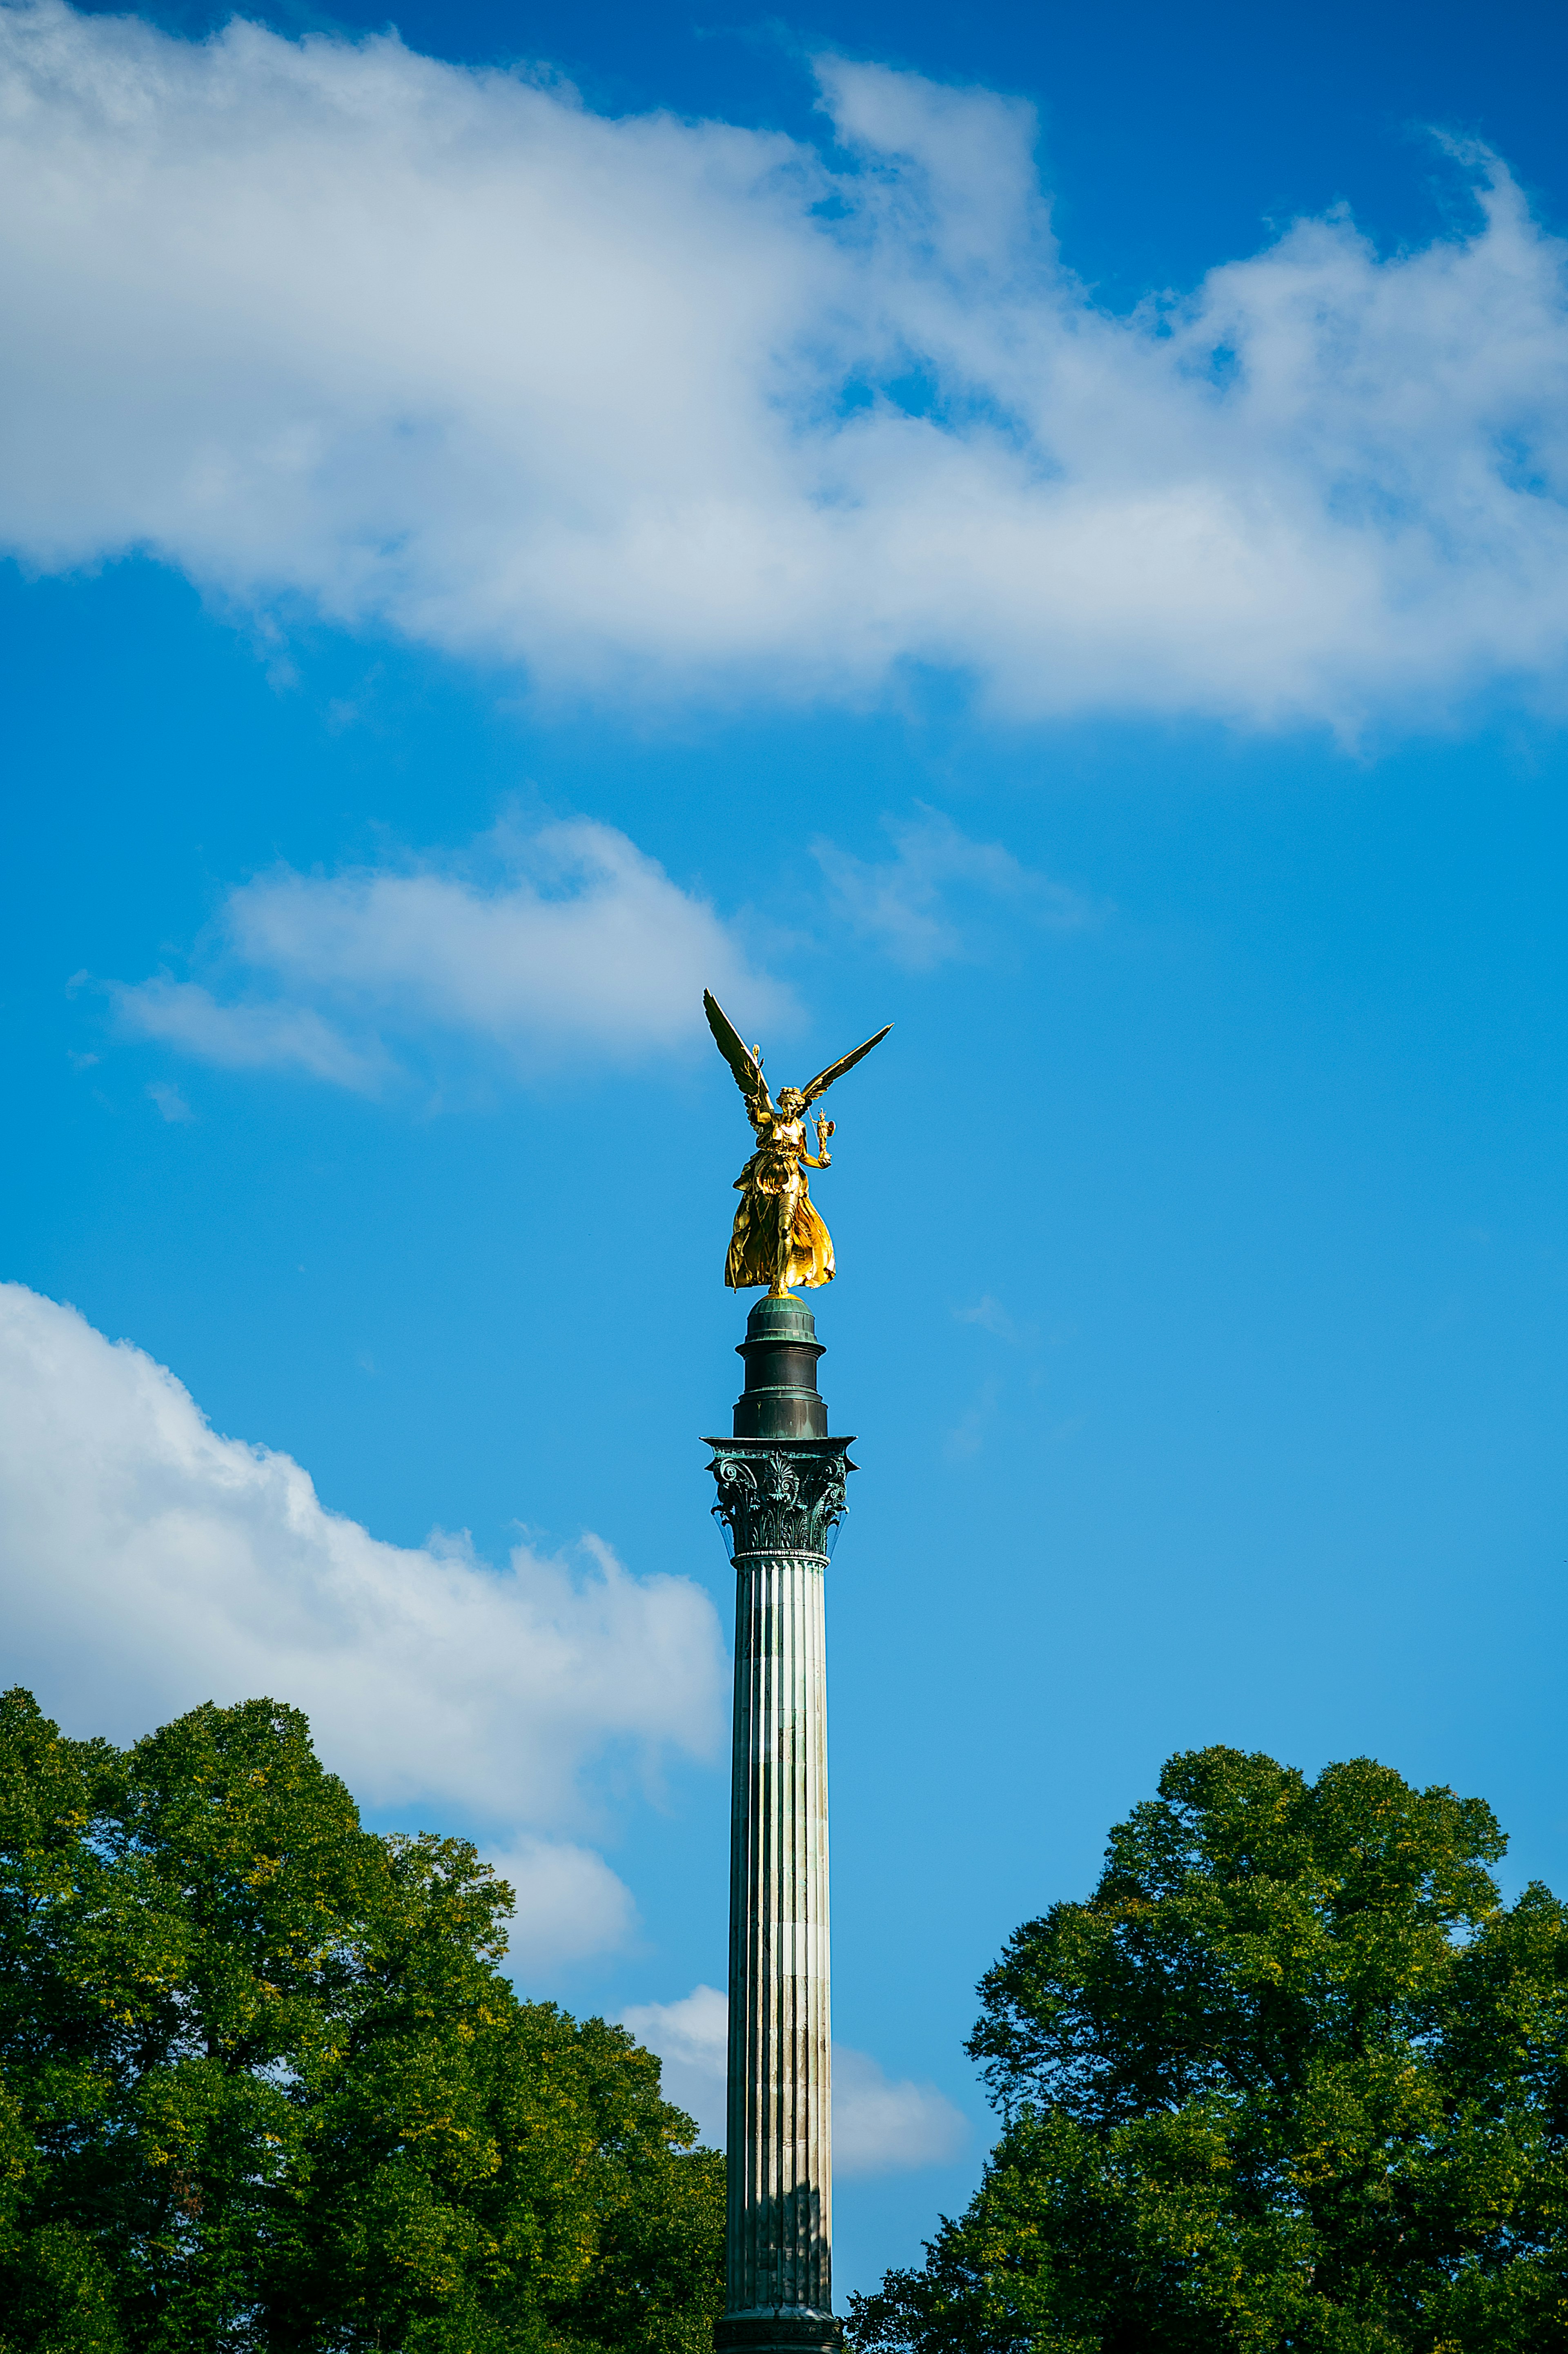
(792, 1102)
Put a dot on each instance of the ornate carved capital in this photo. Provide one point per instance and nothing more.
(779, 1495)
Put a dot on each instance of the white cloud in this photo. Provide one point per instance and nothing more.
(441, 349)
(147, 1564)
(880, 2126)
(991, 1317)
(886, 2126)
(172, 1106)
(247, 1037)
(570, 938)
(569, 1904)
(912, 904)
(690, 2038)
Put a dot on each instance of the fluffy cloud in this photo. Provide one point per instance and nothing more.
(572, 938)
(690, 2038)
(681, 405)
(889, 2126)
(912, 904)
(172, 1105)
(147, 1564)
(568, 1903)
(880, 2126)
(249, 1036)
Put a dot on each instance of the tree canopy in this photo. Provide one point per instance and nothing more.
(262, 2085)
(1293, 2078)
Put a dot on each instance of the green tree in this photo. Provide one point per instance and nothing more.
(263, 2087)
(1294, 2077)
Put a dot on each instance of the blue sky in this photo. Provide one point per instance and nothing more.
(1045, 527)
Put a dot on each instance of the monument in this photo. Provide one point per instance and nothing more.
(780, 1481)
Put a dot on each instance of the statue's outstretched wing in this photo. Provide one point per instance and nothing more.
(747, 1070)
(824, 1079)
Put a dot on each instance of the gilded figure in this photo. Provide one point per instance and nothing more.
(779, 1237)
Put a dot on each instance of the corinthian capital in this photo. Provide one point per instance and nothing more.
(779, 1495)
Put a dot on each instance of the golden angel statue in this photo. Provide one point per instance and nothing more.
(777, 1238)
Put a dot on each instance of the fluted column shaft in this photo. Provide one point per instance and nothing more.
(780, 1482)
(780, 2093)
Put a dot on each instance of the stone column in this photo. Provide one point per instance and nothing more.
(780, 1493)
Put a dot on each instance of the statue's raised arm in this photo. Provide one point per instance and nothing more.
(777, 1238)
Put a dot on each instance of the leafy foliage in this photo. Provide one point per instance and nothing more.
(263, 2087)
(1294, 2078)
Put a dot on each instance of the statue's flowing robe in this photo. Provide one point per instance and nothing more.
(772, 1189)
